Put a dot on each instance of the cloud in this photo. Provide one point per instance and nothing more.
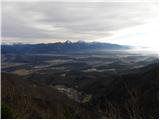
(58, 21)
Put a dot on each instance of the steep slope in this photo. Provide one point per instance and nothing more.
(28, 99)
(133, 95)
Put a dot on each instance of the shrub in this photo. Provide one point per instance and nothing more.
(6, 112)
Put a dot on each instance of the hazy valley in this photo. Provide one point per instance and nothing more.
(91, 81)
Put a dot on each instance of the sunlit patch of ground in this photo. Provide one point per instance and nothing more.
(22, 72)
(8, 65)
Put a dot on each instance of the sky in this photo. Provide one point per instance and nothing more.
(131, 22)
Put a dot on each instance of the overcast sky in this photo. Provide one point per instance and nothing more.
(51, 21)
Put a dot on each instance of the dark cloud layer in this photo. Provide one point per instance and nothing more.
(58, 21)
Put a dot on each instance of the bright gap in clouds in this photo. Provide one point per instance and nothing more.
(143, 36)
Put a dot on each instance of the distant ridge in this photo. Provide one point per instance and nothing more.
(67, 46)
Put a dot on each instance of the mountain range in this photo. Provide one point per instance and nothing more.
(59, 47)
